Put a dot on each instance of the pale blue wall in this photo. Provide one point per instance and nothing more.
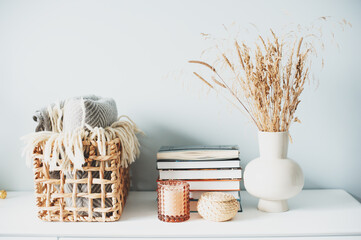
(127, 50)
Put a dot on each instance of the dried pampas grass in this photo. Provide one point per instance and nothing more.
(267, 79)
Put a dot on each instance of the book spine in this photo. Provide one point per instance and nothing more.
(234, 173)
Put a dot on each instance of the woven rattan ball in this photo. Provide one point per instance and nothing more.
(217, 206)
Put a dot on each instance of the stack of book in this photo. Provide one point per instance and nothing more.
(205, 168)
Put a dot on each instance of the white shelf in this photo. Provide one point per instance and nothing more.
(316, 214)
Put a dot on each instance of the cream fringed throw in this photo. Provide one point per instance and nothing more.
(72, 121)
(68, 146)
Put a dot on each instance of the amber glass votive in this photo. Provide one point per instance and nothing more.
(173, 201)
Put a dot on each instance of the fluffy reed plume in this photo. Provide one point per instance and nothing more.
(266, 80)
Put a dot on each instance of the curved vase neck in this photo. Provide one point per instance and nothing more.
(273, 144)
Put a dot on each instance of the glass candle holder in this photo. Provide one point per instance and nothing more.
(173, 201)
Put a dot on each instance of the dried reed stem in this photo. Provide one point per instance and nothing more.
(267, 81)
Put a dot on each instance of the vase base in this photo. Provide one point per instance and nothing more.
(272, 206)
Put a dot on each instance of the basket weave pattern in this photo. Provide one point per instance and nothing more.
(218, 207)
(102, 186)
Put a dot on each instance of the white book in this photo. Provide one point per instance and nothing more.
(214, 185)
(198, 152)
(197, 194)
(198, 164)
(201, 174)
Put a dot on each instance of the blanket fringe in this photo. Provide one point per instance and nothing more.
(68, 147)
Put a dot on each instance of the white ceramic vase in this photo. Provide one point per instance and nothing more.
(273, 178)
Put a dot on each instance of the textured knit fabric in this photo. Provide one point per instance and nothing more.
(93, 110)
(99, 112)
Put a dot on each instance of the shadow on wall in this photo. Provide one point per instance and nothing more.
(357, 198)
(143, 172)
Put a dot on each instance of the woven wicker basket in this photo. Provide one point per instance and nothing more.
(217, 206)
(98, 193)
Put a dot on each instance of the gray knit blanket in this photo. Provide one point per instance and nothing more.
(88, 111)
(99, 112)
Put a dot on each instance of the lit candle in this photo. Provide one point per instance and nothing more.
(173, 201)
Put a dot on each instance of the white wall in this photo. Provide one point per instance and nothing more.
(52, 50)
